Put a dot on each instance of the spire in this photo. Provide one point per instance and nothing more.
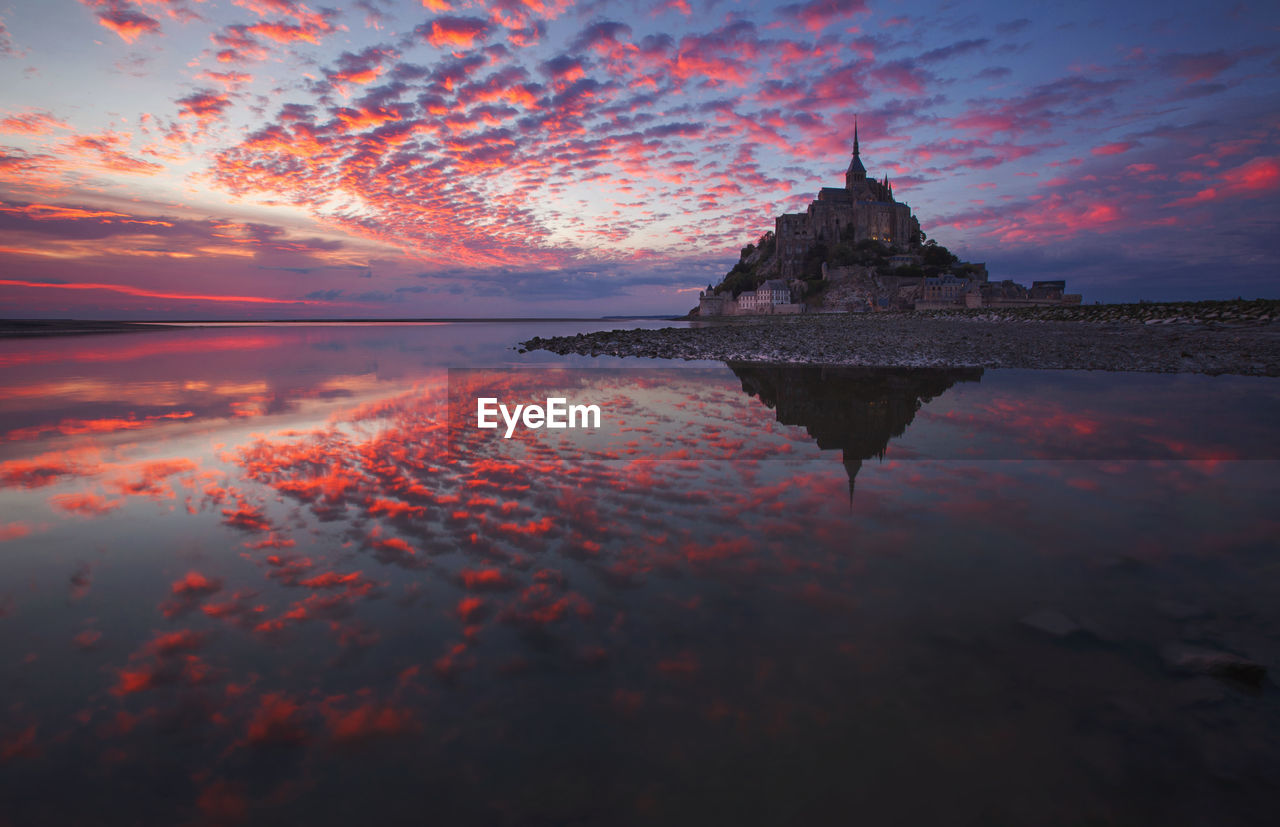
(856, 171)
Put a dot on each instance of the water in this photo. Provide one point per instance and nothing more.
(250, 575)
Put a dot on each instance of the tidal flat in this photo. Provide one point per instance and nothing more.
(257, 568)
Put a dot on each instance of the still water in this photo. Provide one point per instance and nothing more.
(253, 575)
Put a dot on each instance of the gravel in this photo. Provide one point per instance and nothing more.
(993, 339)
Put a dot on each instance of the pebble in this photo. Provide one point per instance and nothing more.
(1188, 660)
(906, 340)
(1052, 622)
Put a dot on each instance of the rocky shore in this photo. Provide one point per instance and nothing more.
(1170, 339)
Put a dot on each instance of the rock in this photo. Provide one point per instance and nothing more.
(1199, 691)
(1052, 622)
(901, 340)
(1181, 610)
(1188, 660)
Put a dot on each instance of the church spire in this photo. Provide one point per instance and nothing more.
(856, 172)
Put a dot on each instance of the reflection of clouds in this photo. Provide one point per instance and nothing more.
(14, 531)
(86, 504)
(151, 479)
(1129, 417)
(76, 427)
(188, 593)
(358, 584)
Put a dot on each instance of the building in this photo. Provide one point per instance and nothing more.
(941, 291)
(772, 297)
(897, 271)
(773, 291)
(861, 209)
(1009, 293)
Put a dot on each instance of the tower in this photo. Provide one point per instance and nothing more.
(857, 172)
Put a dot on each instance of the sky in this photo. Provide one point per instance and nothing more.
(219, 159)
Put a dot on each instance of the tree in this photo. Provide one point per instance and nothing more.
(842, 255)
(811, 267)
(935, 255)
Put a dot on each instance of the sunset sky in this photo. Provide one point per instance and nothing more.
(275, 159)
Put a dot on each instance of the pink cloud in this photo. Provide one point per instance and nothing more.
(1254, 177)
(122, 18)
(1115, 148)
(818, 14)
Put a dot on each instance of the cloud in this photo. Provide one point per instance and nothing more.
(819, 14)
(33, 122)
(205, 105)
(1042, 107)
(454, 32)
(152, 294)
(230, 80)
(7, 46)
(949, 51)
(121, 17)
(1013, 26)
(1258, 176)
(574, 151)
(1198, 66)
(107, 152)
(359, 68)
(1113, 148)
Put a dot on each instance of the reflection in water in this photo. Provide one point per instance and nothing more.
(256, 590)
(855, 410)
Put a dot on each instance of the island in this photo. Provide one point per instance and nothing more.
(858, 249)
(854, 281)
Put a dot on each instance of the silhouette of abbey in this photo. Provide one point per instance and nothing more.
(862, 209)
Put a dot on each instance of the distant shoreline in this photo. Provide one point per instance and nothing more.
(36, 328)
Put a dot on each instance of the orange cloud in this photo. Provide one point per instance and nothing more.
(457, 32)
(204, 105)
(32, 123)
(122, 18)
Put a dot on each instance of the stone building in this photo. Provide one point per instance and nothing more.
(773, 291)
(772, 297)
(862, 209)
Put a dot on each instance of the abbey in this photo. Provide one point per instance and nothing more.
(862, 209)
(857, 249)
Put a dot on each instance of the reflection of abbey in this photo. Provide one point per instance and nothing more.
(859, 211)
(856, 249)
(856, 410)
